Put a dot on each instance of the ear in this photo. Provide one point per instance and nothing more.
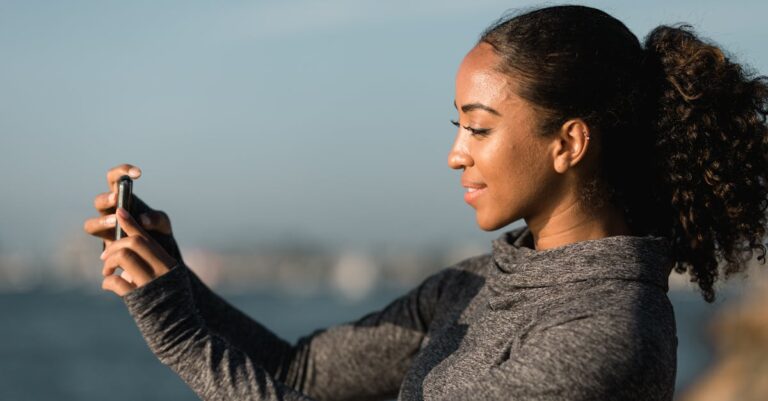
(570, 145)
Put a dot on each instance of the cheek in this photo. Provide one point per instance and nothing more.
(508, 167)
(515, 173)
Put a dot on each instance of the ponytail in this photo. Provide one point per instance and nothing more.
(711, 152)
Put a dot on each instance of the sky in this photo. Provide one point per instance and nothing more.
(266, 121)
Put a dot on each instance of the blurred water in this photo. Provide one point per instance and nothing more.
(77, 346)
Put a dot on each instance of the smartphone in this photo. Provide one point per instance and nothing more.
(124, 200)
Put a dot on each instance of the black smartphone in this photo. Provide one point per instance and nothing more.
(124, 200)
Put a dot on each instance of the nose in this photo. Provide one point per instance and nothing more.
(459, 157)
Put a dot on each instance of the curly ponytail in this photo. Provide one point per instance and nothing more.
(682, 128)
(712, 143)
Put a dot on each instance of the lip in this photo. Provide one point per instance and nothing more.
(479, 190)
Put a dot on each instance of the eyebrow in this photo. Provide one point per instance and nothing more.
(476, 106)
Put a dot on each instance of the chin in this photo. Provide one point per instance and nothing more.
(491, 223)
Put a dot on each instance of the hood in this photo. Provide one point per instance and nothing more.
(515, 264)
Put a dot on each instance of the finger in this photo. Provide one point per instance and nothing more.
(102, 226)
(118, 171)
(126, 276)
(129, 261)
(105, 202)
(117, 285)
(152, 254)
(156, 220)
(128, 224)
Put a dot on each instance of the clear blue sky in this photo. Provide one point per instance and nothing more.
(253, 121)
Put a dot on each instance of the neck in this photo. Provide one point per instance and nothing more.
(570, 223)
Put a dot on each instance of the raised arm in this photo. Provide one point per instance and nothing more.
(213, 367)
(362, 360)
(222, 353)
(220, 316)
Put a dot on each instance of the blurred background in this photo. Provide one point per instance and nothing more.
(299, 147)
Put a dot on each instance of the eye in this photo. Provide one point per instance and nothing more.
(478, 131)
(474, 131)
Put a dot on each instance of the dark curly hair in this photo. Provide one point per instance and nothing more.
(681, 126)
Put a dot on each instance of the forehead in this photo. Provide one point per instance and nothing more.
(477, 79)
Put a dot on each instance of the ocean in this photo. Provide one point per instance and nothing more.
(71, 345)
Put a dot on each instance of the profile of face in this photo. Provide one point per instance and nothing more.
(509, 171)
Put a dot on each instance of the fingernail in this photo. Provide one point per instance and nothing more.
(110, 220)
(134, 172)
(122, 212)
(102, 255)
(144, 219)
(127, 277)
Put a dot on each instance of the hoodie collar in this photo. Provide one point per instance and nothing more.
(515, 264)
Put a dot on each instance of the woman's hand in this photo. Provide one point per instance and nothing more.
(155, 222)
(104, 226)
(138, 254)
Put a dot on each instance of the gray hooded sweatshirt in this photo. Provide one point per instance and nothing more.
(585, 321)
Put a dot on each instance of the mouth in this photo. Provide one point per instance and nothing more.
(473, 193)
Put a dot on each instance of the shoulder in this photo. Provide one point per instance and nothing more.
(472, 270)
(456, 282)
(631, 313)
(624, 338)
(477, 264)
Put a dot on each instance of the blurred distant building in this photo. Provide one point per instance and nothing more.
(75, 263)
(17, 272)
(296, 269)
(354, 275)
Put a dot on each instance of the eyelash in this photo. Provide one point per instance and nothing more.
(474, 131)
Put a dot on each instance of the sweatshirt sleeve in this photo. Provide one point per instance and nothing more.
(365, 359)
(218, 315)
(213, 368)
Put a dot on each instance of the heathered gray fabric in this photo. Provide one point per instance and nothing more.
(585, 321)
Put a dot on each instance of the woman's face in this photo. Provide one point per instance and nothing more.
(507, 168)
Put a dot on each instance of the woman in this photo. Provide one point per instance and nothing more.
(625, 161)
